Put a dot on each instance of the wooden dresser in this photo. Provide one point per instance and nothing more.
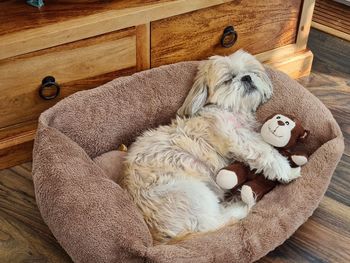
(48, 54)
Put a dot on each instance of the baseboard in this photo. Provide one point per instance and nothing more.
(296, 66)
(16, 154)
(331, 31)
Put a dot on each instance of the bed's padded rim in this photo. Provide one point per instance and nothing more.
(95, 220)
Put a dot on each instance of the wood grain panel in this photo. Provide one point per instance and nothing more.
(24, 237)
(14, 130)
(325, 237)
(296, 66)
(332, 14)
(16, 141)
(25, 17)
(261, 26)
(330, 30)
(60, 22)
(21, 76)
(16, 154)
(340, 184)
(305, 24)
(143, 47)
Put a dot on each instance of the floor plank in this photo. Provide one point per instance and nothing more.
(325, 237)
(24, 237)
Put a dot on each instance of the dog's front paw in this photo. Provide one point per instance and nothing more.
(292, 175)
(295, 173)
(279, 169)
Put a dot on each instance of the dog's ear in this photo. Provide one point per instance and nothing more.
(195, 99)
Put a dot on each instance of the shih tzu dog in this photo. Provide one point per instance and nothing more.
(170, 171)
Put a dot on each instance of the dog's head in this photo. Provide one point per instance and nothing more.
(237, 82)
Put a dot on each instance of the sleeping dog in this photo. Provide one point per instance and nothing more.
(170, 171)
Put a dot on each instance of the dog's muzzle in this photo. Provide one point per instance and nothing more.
(248, 84)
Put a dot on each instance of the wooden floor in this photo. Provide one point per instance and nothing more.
(325, 237)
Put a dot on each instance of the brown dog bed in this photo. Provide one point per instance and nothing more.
(95, 220)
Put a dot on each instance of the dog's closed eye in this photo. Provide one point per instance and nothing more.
(229, 80)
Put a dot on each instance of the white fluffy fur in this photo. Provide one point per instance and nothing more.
(170, 170)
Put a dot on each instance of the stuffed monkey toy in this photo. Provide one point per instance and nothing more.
(284, 132)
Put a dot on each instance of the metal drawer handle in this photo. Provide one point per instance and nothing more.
(46, 83)
(229, 37)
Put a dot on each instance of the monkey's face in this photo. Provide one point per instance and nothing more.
(277, 130)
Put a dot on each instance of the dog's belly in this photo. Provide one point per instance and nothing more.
(171, 157)
(161, 160)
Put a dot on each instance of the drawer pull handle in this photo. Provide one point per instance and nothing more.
(229, 37)
(46, 83)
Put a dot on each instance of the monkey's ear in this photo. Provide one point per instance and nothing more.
(304, 135)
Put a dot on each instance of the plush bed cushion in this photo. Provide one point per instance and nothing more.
(95, 220)
(111, 163)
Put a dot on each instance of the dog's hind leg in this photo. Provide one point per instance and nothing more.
(234, 211)
(190, 206)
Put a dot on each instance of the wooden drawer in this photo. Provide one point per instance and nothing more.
(260, 25)
(75, 66)
(83, 48)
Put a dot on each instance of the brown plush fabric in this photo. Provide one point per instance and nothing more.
(111, 163)
(95, 220)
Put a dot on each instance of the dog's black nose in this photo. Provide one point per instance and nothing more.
(246, 78)
(280, 123)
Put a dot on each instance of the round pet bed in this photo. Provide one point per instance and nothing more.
(95, 220)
